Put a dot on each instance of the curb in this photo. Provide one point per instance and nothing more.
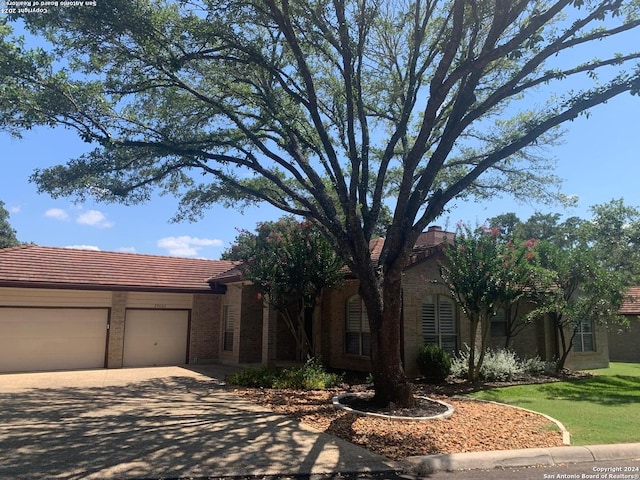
(336, 403)
(526, 457)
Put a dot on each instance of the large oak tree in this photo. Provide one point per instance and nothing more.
(322, 108)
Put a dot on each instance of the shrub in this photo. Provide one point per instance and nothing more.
(434, 363)
(460, 363)
(534, 366)
(500, 366)
(311, 376)
(254, 378)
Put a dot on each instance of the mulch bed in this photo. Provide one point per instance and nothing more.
(474, 426)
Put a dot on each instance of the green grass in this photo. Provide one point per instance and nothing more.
(597, 410)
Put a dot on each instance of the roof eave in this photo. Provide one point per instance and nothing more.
(206, 289)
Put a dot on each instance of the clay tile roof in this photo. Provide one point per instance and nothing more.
(375, 247)
(631, 305)
(428, 244)
(36, 266)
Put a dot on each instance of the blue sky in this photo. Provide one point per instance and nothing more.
(599, 160)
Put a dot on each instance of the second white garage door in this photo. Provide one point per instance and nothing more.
(155, 337)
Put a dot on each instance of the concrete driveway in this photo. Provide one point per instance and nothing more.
(165, 422)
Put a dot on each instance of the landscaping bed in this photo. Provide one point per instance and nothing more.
(475, 426)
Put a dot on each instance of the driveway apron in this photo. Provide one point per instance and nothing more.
(161, 422)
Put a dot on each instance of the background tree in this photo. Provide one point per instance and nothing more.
(7, 234)
(289, 262)
(299, 103)
(578, 293)
(614, 233)
(584, 267)
(515, 277)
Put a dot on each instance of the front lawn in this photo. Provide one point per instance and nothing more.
(601, 409)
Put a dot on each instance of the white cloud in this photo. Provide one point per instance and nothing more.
(56, 214)
(84, 247)
(15, 209)
(94, 218)
(186, 246)
(126, 250)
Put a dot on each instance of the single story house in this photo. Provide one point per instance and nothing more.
(74, 309)
(340, 333)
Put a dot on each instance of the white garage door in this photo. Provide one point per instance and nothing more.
(155, 337)
(33, 339)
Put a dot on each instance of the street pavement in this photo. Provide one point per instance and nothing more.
(175, 422)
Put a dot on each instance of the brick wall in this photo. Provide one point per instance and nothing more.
(115, 346)
(623, 345)
(250, 326)
(420, 280)
(204, 339)
(332, 341)
(588, 360)
(529, 342)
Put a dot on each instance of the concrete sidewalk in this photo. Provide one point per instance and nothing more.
(165, 422)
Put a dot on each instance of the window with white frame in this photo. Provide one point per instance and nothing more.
(584, 340)
(358, 336)
(439, 322)
(229, 320)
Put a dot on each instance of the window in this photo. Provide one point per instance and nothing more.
(358, 336)
(499, 324)
(584, 341)
(439, 322)
(229, 320)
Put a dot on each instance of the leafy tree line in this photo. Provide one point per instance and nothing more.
(8, 236)
(329, 110)
(575, 272)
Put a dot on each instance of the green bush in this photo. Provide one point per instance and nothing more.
(460, 363)
(310, 376)
(499, 365)
(434, 363)
(535, 366)
(254, 378)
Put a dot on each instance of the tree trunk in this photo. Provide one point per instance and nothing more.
(566, 349)
(471, 371)
(383, 302)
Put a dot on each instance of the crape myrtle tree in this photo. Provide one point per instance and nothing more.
(576, 293)
(582, 268)
(320, 108)
(289, 262)
(486, 273)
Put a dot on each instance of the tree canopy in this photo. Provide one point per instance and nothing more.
(7, 233)
(582, 268)
(322, 109)
(289, 262)
(486, 273)
(579, 292)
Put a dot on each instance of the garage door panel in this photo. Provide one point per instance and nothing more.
(155, 337)
(33, 339)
